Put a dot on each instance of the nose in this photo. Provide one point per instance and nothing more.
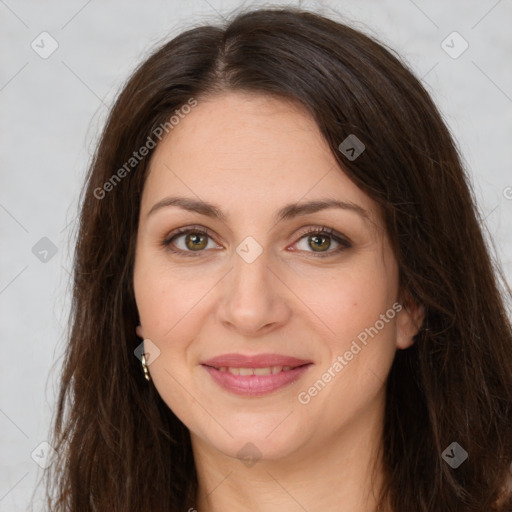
(253, 298)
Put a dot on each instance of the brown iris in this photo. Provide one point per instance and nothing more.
(196, 241)
(317, 245)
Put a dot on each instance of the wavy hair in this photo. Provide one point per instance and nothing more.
(120, 447)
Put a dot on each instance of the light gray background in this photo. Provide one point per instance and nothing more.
(52, 111)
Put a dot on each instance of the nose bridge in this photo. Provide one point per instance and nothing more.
(250, 269)
(250, 287)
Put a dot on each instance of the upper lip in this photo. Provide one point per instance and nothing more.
(254, 361)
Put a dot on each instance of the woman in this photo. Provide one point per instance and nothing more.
(282, 296)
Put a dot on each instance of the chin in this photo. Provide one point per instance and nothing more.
(254, 444)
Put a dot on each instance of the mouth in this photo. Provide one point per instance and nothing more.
(255, 375)
(266, 370)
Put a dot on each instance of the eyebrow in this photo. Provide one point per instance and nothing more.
(288, 212)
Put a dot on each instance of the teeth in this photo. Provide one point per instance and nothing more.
(255, 371)
(262, 371)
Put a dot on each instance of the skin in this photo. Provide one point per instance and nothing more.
(250, 155)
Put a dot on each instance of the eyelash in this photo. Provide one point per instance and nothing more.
(337, 237)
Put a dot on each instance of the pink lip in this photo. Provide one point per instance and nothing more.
(255, 385)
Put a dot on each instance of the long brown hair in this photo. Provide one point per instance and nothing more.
(120, 448)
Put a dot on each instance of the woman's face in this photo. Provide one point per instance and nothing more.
(313, 319)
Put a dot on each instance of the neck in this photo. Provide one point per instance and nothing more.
(343, 472)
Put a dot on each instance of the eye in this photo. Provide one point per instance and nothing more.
(195, 239)
(320, 240)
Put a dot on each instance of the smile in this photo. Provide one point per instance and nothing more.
(256, 375)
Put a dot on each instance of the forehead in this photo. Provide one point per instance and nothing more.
(252, 150)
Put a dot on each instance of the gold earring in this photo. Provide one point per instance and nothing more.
(144, 367)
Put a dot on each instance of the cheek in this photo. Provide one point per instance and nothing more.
(356, 304)
(363, 318)
(168, 304)
(351, 298)
(167, 297)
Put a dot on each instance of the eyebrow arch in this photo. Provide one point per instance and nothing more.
(288, 212)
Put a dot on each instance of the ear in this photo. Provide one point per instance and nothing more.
(138, 330)
(408, 322)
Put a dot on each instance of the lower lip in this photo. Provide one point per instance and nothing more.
(255, 385)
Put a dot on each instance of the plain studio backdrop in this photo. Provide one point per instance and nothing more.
(62, 64)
